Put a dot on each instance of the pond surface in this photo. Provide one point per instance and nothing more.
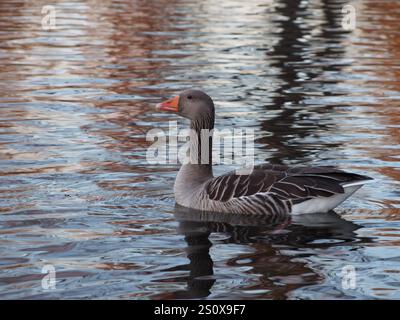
(77, 193)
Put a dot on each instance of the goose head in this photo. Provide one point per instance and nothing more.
(194, 105)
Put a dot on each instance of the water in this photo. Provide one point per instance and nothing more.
(77, 193)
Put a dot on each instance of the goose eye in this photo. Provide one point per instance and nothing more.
(189, 97)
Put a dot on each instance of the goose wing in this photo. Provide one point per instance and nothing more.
(296, 184)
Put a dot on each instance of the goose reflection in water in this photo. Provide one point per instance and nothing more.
(267, 236)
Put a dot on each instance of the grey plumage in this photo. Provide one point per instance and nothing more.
(296, 184)
(267, 190)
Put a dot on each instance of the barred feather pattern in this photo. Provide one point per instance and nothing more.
(274, 189)
(255, 205)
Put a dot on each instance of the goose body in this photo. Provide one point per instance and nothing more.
(266, 189)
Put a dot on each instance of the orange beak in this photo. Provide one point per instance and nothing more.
(171, 105)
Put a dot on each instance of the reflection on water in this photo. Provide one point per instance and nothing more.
(76, 103)
(274, 245)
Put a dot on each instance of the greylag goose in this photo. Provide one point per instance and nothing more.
(267, 189)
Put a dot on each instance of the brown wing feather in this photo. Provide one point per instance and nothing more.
(298, 184)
